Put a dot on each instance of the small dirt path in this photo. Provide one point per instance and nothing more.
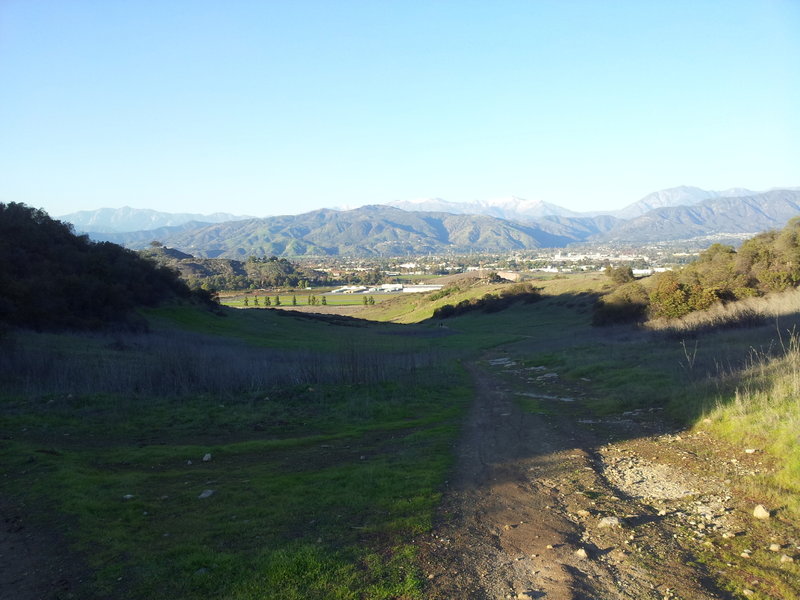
(554, 504)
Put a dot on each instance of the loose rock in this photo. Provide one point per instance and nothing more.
(785, 558)
(610, 522)
(207, 457)
(206, 494)
(760, 512)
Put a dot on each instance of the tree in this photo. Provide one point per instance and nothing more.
(255, 301)
(246, 301)
(267, 301)
(627, 303)
(294, 300)
(669, 298)
(493, 277)
(277, 300)
(324, 301)
(620, 275)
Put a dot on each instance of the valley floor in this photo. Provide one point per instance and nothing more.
(553, 504)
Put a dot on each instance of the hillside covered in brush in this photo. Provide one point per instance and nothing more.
(766, 263)
(51, 278)
(230, 274)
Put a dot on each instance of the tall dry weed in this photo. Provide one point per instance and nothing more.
(181, 364)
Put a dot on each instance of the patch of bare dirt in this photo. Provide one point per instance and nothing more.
(566, 507)
(34, 562)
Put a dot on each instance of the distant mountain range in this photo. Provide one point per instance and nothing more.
(117, 220)
(519, 209)
(369, 230)
(677, 214)
(715, 216)
(391, 231)
(677, 196)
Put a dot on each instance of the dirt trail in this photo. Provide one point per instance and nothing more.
(549, 506)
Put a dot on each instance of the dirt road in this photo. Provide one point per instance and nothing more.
(562, 506)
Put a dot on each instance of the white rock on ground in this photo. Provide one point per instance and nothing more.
(760, 512)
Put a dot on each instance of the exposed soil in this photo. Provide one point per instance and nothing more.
(34, 562)
(570, 507)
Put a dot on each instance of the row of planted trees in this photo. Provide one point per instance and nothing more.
(311, 300)
(768, 262)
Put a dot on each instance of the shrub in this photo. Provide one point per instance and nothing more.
(523, 292)
(626, 304)
(669, 298)
(620, 275)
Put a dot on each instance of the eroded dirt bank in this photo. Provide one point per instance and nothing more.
(555, 504)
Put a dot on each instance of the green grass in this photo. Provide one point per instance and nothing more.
(413, 308)
(317, 491)
(318, 486)
(280, 329)
(759, 408)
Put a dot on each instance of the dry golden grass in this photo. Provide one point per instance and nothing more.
(572, 284)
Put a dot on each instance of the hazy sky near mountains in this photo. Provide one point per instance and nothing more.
(281, 107)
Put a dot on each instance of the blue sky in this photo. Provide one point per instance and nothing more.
(281, 107)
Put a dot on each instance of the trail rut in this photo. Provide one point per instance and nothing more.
(562, 506)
